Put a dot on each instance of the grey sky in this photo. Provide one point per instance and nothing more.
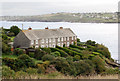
(34, 7)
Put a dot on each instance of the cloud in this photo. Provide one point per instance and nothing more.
(54, 6)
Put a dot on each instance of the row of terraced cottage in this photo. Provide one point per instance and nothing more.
(45, 38)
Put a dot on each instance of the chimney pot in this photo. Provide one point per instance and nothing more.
(29, 28)
(46, 28)
(61, 27)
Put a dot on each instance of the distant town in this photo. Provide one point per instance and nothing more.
(67, 17)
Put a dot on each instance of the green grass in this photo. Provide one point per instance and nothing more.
(10, 56)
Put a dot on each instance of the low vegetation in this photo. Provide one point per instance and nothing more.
(85, 59)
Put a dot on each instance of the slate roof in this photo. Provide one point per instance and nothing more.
(48, 33)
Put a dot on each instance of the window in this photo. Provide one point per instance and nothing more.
(58, 44)
(72, 38)
(50, 40)
(49, 45)
(53, 45)
(72, 43)
(61, 38)
(36, 46)
(67, 43)
(67, 38)
(53, 39)
(42, 41)
(32, 42)
(46, 40)
(36, 41)
(42, 46)
(64, 38)
(58, 39)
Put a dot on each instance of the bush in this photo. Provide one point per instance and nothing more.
(31, 54)
(83, 68)
(99, 64)
(61, 65)
(9, 62)
(76, 58)
(23, 62)
(48, 58)
(70, 52)
(41, 68)
(56, 54)
(92, 43)
(103, 50)
(63, 53)
(31, 70)
(18, 51)
(20, 74)
(39, 54)
(80, 48)
(7, 72)
(47, 50)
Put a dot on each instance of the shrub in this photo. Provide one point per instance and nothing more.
(63, 53)
(61, 65)
(39, 54)
(20, 74)
(83, 68)
(103, 50)
(41, 68)
(74, 46)
(70, 52)
(18, 51)
(31, 70)
(31, 54)
(99, 64)
(92, 43)
(76, 58)
(9, 62)
(47, 50)
(48, 58)
(24, 61)
(56, 54)
(7, 72)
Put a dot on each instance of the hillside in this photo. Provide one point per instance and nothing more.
(84, 59)
(66, 17)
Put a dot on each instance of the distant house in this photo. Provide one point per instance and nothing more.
(45, 38)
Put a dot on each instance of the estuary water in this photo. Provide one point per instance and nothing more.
(103, 33)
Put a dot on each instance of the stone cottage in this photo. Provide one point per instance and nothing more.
(45, 38)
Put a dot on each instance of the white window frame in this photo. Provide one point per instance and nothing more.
(42, 46)
(53, 39)
(42, 41)
(49, 39)
(58, 39)
(61, 38)
(36, 41)
(32, 42)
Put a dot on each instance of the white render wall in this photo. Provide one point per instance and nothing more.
(52, 42)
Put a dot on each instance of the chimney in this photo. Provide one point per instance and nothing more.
(29, 28)
(46, 28)
(61, 27)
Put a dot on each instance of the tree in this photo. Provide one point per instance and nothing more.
(92, 43)
(15, 30)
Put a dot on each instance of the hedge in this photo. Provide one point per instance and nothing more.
(70, 52)
(63, 53)
(74, 46)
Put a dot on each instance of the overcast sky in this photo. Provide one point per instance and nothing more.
(38, 7)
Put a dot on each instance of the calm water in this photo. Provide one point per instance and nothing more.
(106, 34)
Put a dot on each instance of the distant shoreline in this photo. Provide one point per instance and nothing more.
(65, 22)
